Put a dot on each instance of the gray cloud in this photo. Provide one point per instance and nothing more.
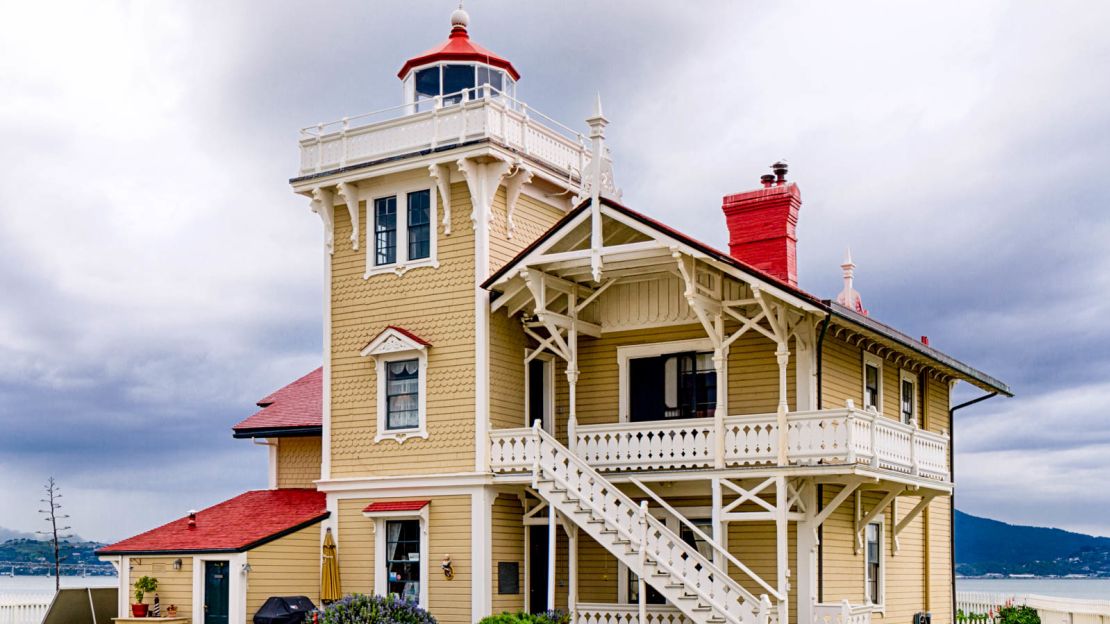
(157, 277)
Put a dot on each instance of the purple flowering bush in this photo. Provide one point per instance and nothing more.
(363, 609)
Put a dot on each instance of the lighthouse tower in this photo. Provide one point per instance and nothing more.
(420, 203)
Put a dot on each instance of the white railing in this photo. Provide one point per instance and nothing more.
(1052, 609)
(468, 115)
(594, 613)
(844, 436)
(841, 613)
(23, 608)
(652, 540)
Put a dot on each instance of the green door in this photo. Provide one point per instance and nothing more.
(216, 586)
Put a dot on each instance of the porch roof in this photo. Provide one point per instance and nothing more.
(828, 308)
(293, 410)
(236, 525)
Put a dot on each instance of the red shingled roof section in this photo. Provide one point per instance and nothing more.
(414, 505)
(300, 404)
(407, 333)
(248, 520)
(458, 47)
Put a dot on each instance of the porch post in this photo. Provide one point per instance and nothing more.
(572, 378)
(782, 547)
(782, 354)
(720, 527)
(720, 368)
(807, 554)
(572, 571)
(551, 535)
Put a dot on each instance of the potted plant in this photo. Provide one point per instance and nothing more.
(143, 585)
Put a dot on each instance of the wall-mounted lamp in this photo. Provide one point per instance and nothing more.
(177, 565)
(446, 565)
(246, 568)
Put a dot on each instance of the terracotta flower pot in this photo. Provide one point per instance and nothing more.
(139, 610)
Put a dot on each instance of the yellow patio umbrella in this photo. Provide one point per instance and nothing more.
(330, 589)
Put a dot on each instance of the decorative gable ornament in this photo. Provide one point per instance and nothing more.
(394, 340)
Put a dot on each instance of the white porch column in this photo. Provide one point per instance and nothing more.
(720, 368)
(551, 535)
(572, 378)
(782, 354)
(807, 555)
(572, 569)
(719, 529)
(481, 527)
(782, 547)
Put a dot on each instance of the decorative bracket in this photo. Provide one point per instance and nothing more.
(513, 187)
(482, 180)
(349, 193)
(862, 522)
(442, 175)
(323, 204)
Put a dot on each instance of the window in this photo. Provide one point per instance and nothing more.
(402, 228)
(682, 385)
(908, 403)
(419, 225)
(427, 82)
(872, 383)
(402, 391)
(490, 76)
(456, 78)
(401, 367)
(874, 563)
(385, 230)
(402, 563)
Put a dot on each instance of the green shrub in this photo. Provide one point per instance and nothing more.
(363, 609)
(548, 617)
(144, 585)
(1018, 614)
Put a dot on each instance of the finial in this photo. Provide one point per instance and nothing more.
(597, 106)
(849, 296)
(597, 121)
(848, 264)
(460, 18)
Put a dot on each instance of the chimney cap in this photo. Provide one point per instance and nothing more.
(780, 169)
(767, 179)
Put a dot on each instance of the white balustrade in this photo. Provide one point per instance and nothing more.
(410, 128)
(589, 613)
(841, 436)
(23, 609)
(841, 613)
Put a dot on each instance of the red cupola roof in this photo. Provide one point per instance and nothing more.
(458, 47)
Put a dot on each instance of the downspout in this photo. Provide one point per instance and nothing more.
(952, 476)
(821, 487)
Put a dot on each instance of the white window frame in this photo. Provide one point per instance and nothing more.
(870, 359)
(549, 383)
(401, 263)
(878, 607)
(391, 346)
(654, 349)
(690, 513)
(904, 376)
(380, 518)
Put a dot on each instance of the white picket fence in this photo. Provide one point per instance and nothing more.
(1052, 609)
(23, 608)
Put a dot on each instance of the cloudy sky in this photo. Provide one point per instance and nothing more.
(157, 276)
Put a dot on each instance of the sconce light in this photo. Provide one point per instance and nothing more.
(446, 565)
(246, 568)
(177, 565)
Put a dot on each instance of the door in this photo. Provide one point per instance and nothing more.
(216, 592)
(540, 393)
(537, 568)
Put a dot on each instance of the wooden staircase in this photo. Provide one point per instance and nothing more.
(701, 590)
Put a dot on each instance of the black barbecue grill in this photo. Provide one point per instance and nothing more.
(285, 610)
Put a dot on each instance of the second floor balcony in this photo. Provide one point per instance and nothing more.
(842, 437)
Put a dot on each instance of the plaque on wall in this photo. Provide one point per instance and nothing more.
(508, 577)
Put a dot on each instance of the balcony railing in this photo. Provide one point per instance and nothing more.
(841, 613)
(841, 436)
(472, 114)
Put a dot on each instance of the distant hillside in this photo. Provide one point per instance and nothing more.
(10, 534)
(32, 556)
(985, 546)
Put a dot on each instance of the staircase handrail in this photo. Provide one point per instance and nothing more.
(755, 605)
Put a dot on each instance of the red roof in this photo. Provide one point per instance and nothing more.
(298, 405)
(458, 47)
(413, 505)
(406, 332)
(244, 522)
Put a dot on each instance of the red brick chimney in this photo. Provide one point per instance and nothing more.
(761, 225)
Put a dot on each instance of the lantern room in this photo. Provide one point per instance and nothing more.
(455, 71)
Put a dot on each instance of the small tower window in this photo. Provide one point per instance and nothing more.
(456, 78)
(419, 225)
(385, 230)
(427, 82)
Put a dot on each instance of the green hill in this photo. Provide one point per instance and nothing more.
(36, 557)
(985, 546)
